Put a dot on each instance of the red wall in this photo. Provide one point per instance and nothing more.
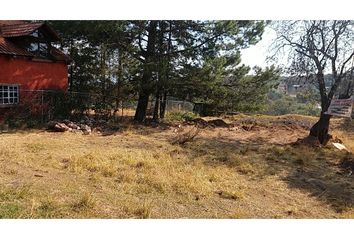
(34, 75)
(31, 75)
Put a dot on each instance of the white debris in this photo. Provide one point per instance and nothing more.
(340, 146)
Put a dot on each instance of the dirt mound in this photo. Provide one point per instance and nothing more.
(218, 123)
(200, 122)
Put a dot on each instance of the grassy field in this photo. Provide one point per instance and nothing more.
(251, 169)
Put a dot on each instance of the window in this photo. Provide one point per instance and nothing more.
(39, 49)
(8, 94)
(35, 34)
(38, 45)
(33, 48)
(43, 49)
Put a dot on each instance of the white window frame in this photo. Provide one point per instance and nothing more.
(9, 94)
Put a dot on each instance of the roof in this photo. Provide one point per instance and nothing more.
(11, 22)
(59, 55)
(8, 48)
(16, 30)
(25, 29)
(10, 30)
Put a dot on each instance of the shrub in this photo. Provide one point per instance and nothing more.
(283, 104)
(180, 116)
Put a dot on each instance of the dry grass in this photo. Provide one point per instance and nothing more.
(138, 173)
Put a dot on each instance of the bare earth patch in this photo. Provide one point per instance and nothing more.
(249, 169)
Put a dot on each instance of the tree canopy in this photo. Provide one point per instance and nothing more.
(192, 60)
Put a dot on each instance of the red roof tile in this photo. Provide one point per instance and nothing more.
(18, 30)
(10, 29)
(11, 22)
(8, 48)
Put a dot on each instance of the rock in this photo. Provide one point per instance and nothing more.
(76, 131)
(58, 127)
(61, 127)
(85, 129)
(73, 126)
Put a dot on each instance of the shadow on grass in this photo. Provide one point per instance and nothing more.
(347, 125)
(105, 128)
(318, 171)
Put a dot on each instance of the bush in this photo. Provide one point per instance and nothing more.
(287, 105)
(180, 116)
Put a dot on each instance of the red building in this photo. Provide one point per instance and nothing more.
(29, 62)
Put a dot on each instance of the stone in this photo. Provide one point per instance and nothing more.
(73, 125)
(61, 127)
(85, 129)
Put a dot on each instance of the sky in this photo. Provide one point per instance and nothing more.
(256, 54)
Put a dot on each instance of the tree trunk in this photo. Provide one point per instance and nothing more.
(163, 105)
(155, 117)
(119, 97)
(103, 77)
(143, 101)
(145, 90)
(320, 129)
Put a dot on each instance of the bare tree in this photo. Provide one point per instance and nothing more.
(316, 48)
